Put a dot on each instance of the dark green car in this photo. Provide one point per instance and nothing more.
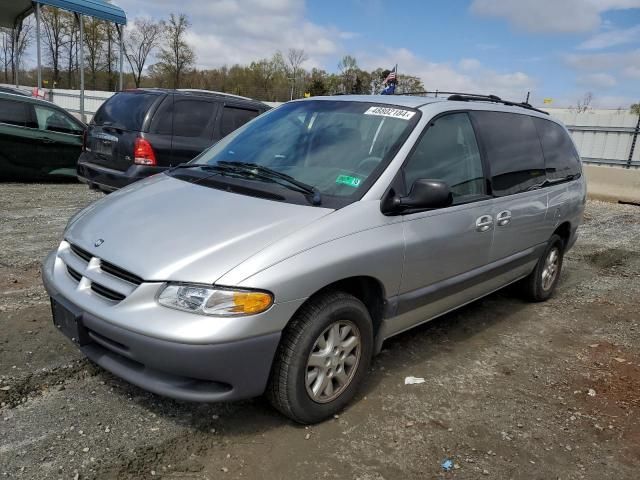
(38, 140)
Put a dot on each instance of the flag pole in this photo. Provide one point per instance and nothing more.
(397, 78)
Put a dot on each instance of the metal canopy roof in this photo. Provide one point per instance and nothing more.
(13, 11)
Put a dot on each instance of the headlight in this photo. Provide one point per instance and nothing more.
(222, 302)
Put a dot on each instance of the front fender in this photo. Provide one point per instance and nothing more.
(377, 253)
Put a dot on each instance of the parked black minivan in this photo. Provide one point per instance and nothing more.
(140, 132)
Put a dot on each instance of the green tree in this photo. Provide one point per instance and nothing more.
(317, 83)
(635, 108)
(409, 84)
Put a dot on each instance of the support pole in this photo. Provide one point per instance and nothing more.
(633, 143)
(38, 47)
(121, 34)
(81, 53)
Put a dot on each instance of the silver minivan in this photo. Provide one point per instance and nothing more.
(280, 259)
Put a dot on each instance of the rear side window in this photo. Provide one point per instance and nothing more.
(513, 150)
(192, 118)
(162, 122)
(125, 110)
(13, 113)
(448, 152)
(233, 118)
(561, 158)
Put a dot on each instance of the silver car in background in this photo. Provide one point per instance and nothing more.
(280, 259)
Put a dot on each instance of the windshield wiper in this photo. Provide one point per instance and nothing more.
(260, 171)
(204, 166)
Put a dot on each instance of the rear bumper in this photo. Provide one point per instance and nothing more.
(110, 179)
(192, 372)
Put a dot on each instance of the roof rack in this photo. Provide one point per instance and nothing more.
(474, 97)
(212, 92)
(465, 97)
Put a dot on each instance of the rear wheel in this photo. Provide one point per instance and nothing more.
(322, 358)
(541, 283)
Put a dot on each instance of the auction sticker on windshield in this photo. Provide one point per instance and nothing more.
(349, 180)
(390, 112)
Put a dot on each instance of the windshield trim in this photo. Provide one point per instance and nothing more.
(328, 201)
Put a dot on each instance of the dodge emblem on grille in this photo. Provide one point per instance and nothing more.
(98, 242)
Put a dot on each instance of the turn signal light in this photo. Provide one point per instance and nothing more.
(249, 303)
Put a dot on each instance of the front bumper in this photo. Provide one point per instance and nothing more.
(109, 179)
(194, 372)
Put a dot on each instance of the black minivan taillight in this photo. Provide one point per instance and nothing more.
(143, 153)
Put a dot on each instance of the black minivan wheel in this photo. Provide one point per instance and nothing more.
(323, 357)
(542, 282)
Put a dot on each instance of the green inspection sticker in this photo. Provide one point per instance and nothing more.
(349, 180)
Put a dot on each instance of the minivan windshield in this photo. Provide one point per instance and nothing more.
(337, 148)
(125, 110)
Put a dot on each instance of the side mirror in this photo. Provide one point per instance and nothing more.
(425, 193)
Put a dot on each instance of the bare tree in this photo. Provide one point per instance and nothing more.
(110, 55)
(635, 108)
(295, 58)
(6, 43)
(139, 43)
(176, 56)
(348, 66)
(94, 46)
(584, 104)
(72, 35)
(25, 36)
(54, 27)
(12, 51)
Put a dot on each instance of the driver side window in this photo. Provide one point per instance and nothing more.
(448, 152)
(55, 121)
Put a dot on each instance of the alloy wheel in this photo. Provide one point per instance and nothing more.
(333, 361)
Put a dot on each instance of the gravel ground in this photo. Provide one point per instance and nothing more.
(513, 390)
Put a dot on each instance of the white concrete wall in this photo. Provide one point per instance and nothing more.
(602, 136)
(613, 184)
(70, 100)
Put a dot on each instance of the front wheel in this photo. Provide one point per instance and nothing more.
(323, 357)
(542, 282)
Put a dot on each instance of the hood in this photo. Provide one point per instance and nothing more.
(168, 229)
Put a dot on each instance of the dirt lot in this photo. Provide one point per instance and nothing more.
(513, 390)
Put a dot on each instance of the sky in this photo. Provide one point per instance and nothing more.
(558, 49)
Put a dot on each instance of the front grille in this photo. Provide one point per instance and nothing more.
(86, 256)
(105, 279)
(77, 276)
(120, 273)
(107, 292)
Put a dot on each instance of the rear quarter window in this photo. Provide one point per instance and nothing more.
(513, 150)
(193, 118)
(13, 113)
(560, 155)
(125, 110)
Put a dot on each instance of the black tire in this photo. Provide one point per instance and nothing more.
(287, 389)
(533, 286)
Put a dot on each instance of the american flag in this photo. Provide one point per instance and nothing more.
(391, 77)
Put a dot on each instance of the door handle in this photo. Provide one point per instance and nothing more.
(47, 140)
(484, 223)
(503, 218)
